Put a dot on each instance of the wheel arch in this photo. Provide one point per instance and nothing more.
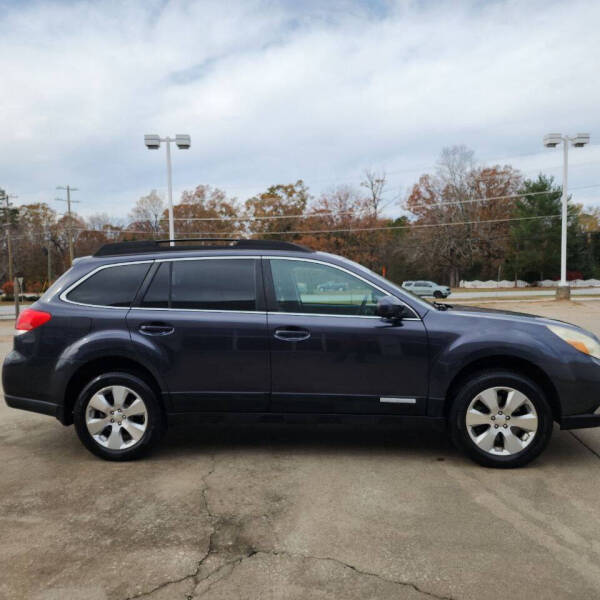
(97, 366)
(512, 363)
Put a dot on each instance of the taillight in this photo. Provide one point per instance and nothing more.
(30, 319)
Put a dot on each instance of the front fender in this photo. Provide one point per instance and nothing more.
(468, 340)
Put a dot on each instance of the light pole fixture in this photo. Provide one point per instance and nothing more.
(183, 142)
(551, 140)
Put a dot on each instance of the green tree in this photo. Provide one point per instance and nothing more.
(535, 247)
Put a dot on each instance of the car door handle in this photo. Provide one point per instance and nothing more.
(156, 329)
(292, 334)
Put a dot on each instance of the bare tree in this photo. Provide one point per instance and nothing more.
(375, 184)
(148, 212)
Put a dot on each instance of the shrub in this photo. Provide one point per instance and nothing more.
(8, 289)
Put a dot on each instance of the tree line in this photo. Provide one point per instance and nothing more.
(461, 221)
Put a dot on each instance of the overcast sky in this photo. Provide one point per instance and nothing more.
(275, 91)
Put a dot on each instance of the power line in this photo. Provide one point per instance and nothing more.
(358, 229)
(264, 218)
(340, 213)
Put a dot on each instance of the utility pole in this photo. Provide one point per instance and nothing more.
(49, 252)
(6, 198)
(68, 201)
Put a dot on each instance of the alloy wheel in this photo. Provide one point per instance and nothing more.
(501, 421)
(116, 417)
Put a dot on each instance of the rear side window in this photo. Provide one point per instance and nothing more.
(112, 286)
(213, 284)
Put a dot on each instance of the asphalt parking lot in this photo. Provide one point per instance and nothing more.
(297, 512)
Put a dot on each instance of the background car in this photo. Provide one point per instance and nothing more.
(332, 286)
(427, 288)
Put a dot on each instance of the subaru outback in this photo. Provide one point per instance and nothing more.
(143, 333)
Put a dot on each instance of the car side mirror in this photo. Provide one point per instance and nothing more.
(391, 309)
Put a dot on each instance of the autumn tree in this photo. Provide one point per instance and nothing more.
(461, 215)
(206, 212)
(281, 205)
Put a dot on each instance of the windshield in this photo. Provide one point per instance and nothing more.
(400, 290)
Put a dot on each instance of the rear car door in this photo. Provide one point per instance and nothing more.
(202, 322)
(330, 353)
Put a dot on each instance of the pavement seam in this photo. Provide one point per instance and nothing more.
(209, 551)
(239, 560)
(596, 454)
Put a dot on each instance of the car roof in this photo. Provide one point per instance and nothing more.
(195, 244)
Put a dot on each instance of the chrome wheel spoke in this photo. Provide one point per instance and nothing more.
(114, 441)
(136, 408)
(514, 400)
(100, 403)
(490, 399)
(486, 440)
(527, 422)
(119, 394)
(475, 417)
(135, 430)
(512, 444)
(96, 426)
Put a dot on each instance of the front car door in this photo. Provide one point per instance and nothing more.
(202, 322)
(330, 353)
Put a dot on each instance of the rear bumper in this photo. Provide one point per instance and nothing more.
(39, 406)
(580, 421)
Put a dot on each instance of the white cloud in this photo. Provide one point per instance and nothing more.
(271, 92)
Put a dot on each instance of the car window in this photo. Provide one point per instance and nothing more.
(213, 284)
(112, 286)
(309, 287)
(157, 294)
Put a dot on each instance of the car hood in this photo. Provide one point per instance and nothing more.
(505, 314)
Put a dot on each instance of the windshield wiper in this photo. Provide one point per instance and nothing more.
(442, 305)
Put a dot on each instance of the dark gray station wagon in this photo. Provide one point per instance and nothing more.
(142, 333)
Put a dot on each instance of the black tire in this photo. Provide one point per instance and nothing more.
(484, 380)
(438, 294)
(155, 424)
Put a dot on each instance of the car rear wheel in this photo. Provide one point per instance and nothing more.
(501, 419)
(117, 417)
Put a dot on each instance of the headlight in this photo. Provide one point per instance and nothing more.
(580, 341)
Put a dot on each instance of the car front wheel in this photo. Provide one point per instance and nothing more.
(501, 419)
(117, 416)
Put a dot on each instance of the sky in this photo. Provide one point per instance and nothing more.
(271, 92)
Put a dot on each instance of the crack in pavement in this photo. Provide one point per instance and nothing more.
(239, 560)
(596, 454)
(232, 564)
(209, 551)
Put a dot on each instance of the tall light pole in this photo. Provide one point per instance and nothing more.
(68, 201)
(551, 140)
(183, 142)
